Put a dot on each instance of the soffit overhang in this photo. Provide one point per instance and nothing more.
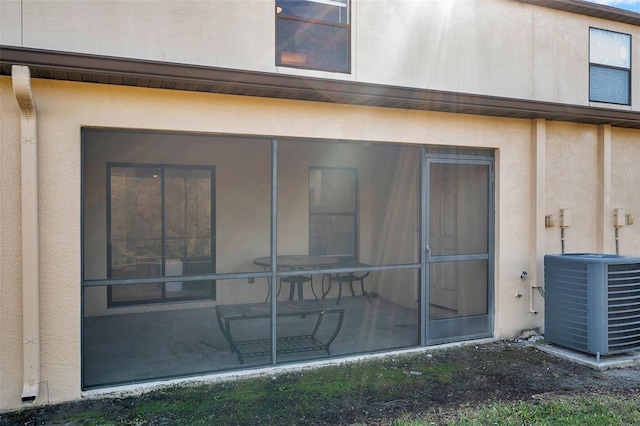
(588, 8)
(85, 68)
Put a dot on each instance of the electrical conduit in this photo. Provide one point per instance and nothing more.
(30, 257)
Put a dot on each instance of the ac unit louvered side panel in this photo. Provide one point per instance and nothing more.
(623, 288)
(566, 302)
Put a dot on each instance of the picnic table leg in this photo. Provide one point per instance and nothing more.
(234, 348)
(226, 332)
(335, 332)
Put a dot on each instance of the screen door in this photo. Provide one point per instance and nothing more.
(459, 247)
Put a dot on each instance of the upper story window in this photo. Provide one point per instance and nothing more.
(609, 67)
(313, 34)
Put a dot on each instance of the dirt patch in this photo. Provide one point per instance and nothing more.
(435, 384)
(501, 372)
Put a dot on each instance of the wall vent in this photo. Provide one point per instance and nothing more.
(592, 302)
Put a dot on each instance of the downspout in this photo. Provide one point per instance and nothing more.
(538, 207)
(30, 257)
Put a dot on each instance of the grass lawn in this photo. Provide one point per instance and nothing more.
(497, 383)
(591, 410)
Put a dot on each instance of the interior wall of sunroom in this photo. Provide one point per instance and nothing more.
(370, 323)
(396, 233)
(388, 221)
(242, 171)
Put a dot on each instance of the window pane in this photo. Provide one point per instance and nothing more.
(188, 215)
(332, 235)
(180, 217)
(136, 222)
(610, 48)
(332, 190)
(333, 11)
(608, 85)
(315, 46)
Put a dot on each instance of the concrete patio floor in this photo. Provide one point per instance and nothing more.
(130, 348)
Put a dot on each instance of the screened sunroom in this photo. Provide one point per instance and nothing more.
(210, 253)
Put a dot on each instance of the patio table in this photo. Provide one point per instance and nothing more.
(296, 262)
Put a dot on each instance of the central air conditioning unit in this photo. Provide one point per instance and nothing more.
(592, 302)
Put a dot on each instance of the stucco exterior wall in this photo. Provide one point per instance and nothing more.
(65, 107)
(572, 183)
(452, 45)
(10, 255)
(625, 187)
(573, 177)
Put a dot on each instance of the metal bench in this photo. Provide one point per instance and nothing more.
(286, 344)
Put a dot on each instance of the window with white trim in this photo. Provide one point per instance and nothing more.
(609, 67)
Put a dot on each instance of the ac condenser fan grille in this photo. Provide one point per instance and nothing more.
(623, 307)
(592, 302)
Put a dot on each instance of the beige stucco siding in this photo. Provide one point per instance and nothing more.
(573, 179)
(501, 48)
(11, 22)
(454, 45)
(64, 108)
(446, 45)
(10, 256)
(625, 187)
(572, 183)
(192, 32)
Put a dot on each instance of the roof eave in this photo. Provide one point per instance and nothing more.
(133, 72)
(588, 8)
